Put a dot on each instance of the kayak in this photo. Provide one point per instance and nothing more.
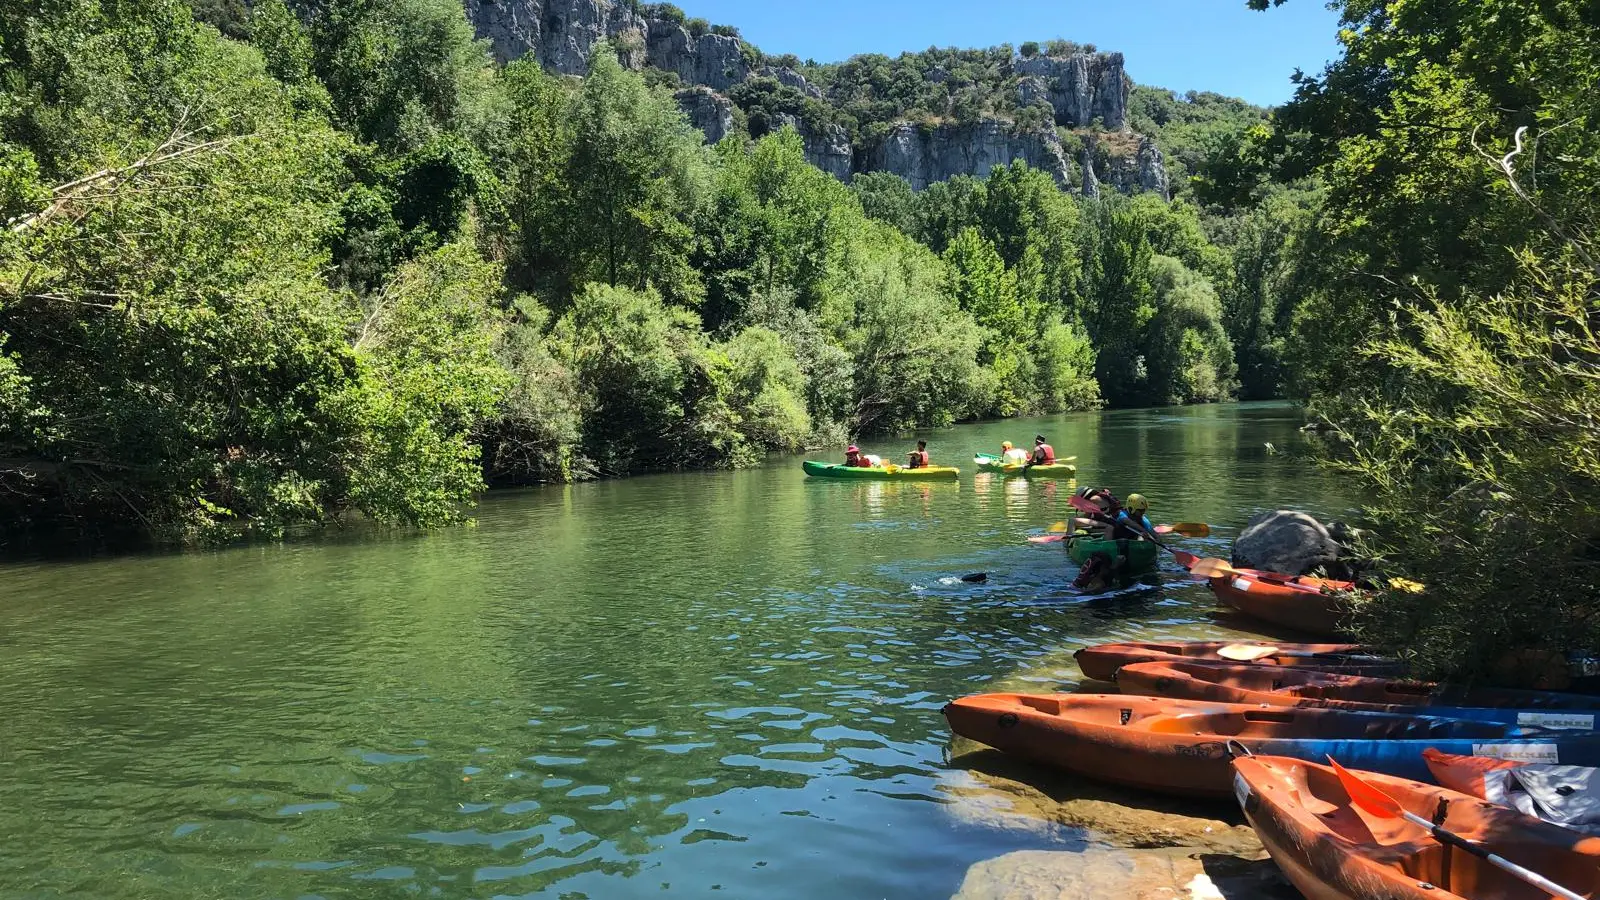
(996, 465)
(1568, 796)
(1332, 850)
(1102, 662)
(898, 473)
(1183, 747)
(1287, 603)
(1287, 687)
(1142, 555)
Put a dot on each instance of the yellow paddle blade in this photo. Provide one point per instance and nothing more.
(1211, 568)
(891, 468)
(1246, 652)
(1192, 529)
(1058, 528)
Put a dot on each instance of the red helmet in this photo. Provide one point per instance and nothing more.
(852, 449)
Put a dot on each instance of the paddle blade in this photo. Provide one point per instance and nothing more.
(1192, 529)
(1246, 652)
(1187, 560)
(1365, 795)
(1211, 568)
(1047, 538)
(1058, 528)
(1084, 504)
(976, 578)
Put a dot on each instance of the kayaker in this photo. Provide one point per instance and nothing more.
(1043, 453)
(1131, 523)
(854, 458)
(1106, 501)
(919, 456)
(1011, 454)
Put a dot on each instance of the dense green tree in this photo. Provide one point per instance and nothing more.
(637, 175)
(888, 198)
(1119, 301)
(1188, 358)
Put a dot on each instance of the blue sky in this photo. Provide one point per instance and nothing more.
(1216, 45)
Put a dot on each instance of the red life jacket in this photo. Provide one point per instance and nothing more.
(860, 462)
(919, 459)
(1048, 451)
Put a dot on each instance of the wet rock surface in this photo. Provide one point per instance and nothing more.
(1063, 875)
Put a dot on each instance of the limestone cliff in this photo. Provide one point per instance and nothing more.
(708, 111)
(923, 156)
(1080, 88)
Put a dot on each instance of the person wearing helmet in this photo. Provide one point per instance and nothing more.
(1106, 518)
(855, 459)
(1012, 454)
(1131, 522)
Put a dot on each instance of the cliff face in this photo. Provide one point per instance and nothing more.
(1080, 88)
(925, 156)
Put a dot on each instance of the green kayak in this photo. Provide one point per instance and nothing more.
(995, 464)
(1142, 555)
(887, 473)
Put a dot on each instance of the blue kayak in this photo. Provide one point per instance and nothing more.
(1185, 746)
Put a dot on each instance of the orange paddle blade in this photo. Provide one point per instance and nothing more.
(1365, 795)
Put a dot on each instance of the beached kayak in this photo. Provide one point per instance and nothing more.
(1182, 747)
(1332, 850)
(1142, 555)
(898, 473)
(1102, 662)
(1277, 686)
(996, 465)
(1568, 796)
(1304, 604)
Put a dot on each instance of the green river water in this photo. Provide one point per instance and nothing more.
(697, 685)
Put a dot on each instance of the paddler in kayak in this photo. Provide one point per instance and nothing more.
(855, 459)
(1013, 455)
(919, 456)
(1104, 520)
(1043, 453)
(1131, 522)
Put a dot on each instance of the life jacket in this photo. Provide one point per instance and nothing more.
(1124, 529)
(919, 459)
(1048, 451)
(860, 462)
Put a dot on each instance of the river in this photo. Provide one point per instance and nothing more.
(695, 685)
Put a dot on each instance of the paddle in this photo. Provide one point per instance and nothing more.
(1187, 529)
(1083, 504)
(1372, 799)
(1253, 652)
(1216, 568)
(976, 578)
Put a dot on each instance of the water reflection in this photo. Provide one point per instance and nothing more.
(719, 682)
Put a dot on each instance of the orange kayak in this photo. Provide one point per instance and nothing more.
(1182, 746)
(1102, 662)
(1465, 774)
(1302, 604)
(1331, 850)
(1290, 687)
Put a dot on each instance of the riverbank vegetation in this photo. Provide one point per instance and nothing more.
(1449, 322)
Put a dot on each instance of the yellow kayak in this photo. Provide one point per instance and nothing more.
(994, 464)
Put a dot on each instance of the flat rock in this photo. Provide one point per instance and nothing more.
(1125, 875)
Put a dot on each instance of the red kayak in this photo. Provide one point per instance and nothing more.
(1304, 604)
(1332, 850)
(1281, 687)
(1102, 662)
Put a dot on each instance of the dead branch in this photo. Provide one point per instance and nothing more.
(1505, 164)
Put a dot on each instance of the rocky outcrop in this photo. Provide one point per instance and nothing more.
(1140, 169)
(708, 111)
(1286, 542)
(1123, 874)
(828, 147)
(1081, 88)
(562, 34)
(1091, 183)
(790, 78)
(924, 156)
(713, 60)
(559, 33)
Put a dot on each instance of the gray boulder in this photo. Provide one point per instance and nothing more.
(1287, 542)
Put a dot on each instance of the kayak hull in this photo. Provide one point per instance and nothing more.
(852, 473)
(1466, 774)
(1102, 662)
(1182, 747)
(1142, 556)
(1287, 687)
(1310, 611)
(1331, 850)
(995, 466)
